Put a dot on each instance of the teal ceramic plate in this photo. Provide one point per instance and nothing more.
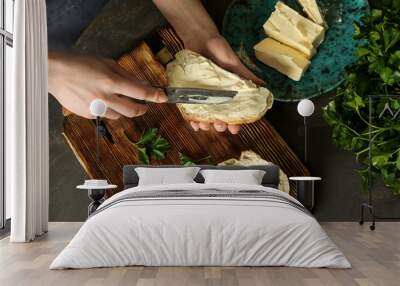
(242, 28)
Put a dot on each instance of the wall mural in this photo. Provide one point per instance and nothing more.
(162, 136)
(130, 33)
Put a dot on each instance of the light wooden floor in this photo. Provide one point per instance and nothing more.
(375, 257)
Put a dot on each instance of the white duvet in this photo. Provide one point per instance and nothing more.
(192, 231)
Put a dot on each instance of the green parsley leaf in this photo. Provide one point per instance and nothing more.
(143, 157)
(150, 146)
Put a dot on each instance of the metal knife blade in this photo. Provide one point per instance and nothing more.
(198, 95)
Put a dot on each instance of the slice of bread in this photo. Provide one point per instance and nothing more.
(251, 158)
(190, 69)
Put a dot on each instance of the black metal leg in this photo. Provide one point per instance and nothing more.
(92, 207)
(362, 215)
(96, 197)
(305, 193)
(371, 212)
(372, 226)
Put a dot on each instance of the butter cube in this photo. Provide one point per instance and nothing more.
(284, 59)
(312, 10)
(289, 27)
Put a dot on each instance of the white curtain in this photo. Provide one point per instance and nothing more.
(27, 124)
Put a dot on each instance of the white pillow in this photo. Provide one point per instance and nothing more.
(247, 177)
(166, 176)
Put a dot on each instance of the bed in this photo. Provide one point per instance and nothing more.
(201, 224)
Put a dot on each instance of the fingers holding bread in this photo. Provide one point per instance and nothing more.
(190, 69)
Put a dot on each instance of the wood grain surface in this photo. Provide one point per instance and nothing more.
(117, 150)
(374, 255)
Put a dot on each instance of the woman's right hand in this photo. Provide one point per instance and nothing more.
(75, 81)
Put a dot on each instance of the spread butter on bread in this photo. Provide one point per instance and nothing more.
(190, 69)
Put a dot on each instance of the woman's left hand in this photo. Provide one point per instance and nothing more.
(199, 33)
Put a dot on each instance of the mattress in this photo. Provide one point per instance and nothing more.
(201, 225)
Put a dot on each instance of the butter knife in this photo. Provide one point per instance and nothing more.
(198, 95)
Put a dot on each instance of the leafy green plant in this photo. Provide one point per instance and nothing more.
(151, 146)
(377, 71)
(186, 161)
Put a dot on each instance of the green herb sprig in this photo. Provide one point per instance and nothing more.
(151, 146)
(186, 161)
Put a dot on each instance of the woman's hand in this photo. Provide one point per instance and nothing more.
(77, 80)
(217, 49)
(199, 33)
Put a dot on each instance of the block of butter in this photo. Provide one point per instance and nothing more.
(289, 27)
(284, 59)
(312, 10)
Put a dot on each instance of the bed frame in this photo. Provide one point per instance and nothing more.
(271, 177)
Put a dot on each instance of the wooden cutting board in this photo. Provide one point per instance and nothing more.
(117, 150)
